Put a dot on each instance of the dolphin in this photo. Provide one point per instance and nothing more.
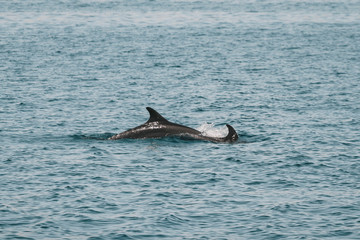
(158, 127)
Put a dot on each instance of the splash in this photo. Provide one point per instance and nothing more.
(208, 129)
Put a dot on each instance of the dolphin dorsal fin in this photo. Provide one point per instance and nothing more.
(155, 116)
(232, 135)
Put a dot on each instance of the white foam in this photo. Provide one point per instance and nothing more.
(208, 129)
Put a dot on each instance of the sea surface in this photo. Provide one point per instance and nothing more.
(284, 74)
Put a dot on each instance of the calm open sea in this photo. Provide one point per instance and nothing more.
(284, 74)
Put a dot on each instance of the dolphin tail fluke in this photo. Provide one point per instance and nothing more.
(232, 135)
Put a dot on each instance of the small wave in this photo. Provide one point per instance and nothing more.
(173, 219)
(209, 130)
(248, 138)
(96, 136)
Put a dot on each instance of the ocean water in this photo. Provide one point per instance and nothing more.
(284, 74)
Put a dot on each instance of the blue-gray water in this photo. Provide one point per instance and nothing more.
(284, 74)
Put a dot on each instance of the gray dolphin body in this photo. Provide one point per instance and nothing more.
(158, 127)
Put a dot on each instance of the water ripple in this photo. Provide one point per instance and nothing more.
(283, 73)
